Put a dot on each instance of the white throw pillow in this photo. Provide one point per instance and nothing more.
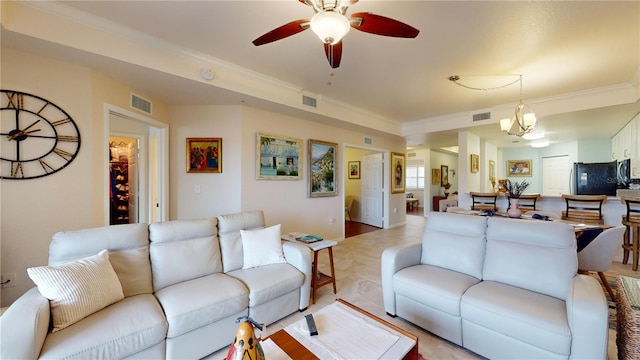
(77, 289)
(262, 247)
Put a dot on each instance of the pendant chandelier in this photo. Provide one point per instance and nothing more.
(523, 123)
(524, 118)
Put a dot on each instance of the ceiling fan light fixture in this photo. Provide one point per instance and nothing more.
(330, 26)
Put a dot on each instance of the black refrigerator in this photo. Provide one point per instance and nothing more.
(595, 178)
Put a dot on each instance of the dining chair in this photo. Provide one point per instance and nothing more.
(584, 208)
(527, 202)
(598, 255)
(348, 203)
(484, 201)
(631, 221)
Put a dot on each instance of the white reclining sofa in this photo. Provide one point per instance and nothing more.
(184, 286)
(502, 288)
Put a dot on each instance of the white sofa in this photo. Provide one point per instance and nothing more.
(502, 288)
(184, 287)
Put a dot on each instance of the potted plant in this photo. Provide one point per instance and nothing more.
(515, 189)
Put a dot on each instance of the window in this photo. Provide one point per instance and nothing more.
(415, 176)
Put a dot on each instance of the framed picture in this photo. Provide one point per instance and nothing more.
(444, 177)
(354, 169)
(204, 155)
(475, 163)
(322, 168)
(492, 170)
(519, 168)
(435, 176)
(397, 173)
(278, 157)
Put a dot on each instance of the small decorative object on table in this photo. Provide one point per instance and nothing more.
(246, 345)
(446, 187)
(515, 189)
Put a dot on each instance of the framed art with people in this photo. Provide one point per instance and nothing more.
(204, 155)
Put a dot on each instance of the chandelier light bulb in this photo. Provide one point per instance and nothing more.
(330, 26)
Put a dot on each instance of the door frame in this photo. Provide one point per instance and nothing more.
(161, 131)
(385, 183)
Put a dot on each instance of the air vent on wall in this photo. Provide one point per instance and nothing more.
(411, 155)
(368, 140)
(141, 104)
(308, 100)
(482, 116)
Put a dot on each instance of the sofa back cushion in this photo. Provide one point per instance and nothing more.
(531, 254)
(128, 247)
(182, 250)
(229, 227)
(455, 242)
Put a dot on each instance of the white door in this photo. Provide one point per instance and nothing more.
(556, 174)
(372, 189)
(134, 186)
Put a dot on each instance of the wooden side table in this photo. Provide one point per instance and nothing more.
(319, 279)
(628, 318)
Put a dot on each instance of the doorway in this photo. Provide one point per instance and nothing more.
(124, 180)
(141, 161)
(364, 182)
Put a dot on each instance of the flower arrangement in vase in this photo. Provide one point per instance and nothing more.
(515, 189)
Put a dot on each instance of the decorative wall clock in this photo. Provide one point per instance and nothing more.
(37, 137)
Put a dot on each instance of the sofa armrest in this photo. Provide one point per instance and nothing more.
(588, 316)
(24, 326)
(394, 259)
(299, 256)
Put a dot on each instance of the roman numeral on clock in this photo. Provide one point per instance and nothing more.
(46, 167)
(16, 101)
(68, 138)
(63, 154)
(16, 168)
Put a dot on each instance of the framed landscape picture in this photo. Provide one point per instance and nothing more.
(444, 175)
(397, 173)
(475, 163)
(492, 170)
(204, 155)
(322, 168)
(435, 176)
(519, 168)
(278, 157)
(354, 169)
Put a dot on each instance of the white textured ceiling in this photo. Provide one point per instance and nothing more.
(560, 47)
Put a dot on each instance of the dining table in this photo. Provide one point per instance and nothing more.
(585, 233)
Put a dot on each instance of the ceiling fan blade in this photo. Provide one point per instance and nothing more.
(334, 54)
(380, 25)
(282, 32)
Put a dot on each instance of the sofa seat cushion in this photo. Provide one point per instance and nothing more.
(195, 303)
(434, 286)
(269, 282)
(120, 330)
(533, 318)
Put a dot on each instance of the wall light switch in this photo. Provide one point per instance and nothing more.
(196, 189)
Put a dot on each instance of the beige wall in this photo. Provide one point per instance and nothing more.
(236, 189)
(31, 211)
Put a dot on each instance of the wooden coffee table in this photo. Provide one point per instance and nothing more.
(296, 350)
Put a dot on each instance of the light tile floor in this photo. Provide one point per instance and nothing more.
(357, 265)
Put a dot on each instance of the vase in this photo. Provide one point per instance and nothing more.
(514, 210)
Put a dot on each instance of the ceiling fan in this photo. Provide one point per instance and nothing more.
(331, 25)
